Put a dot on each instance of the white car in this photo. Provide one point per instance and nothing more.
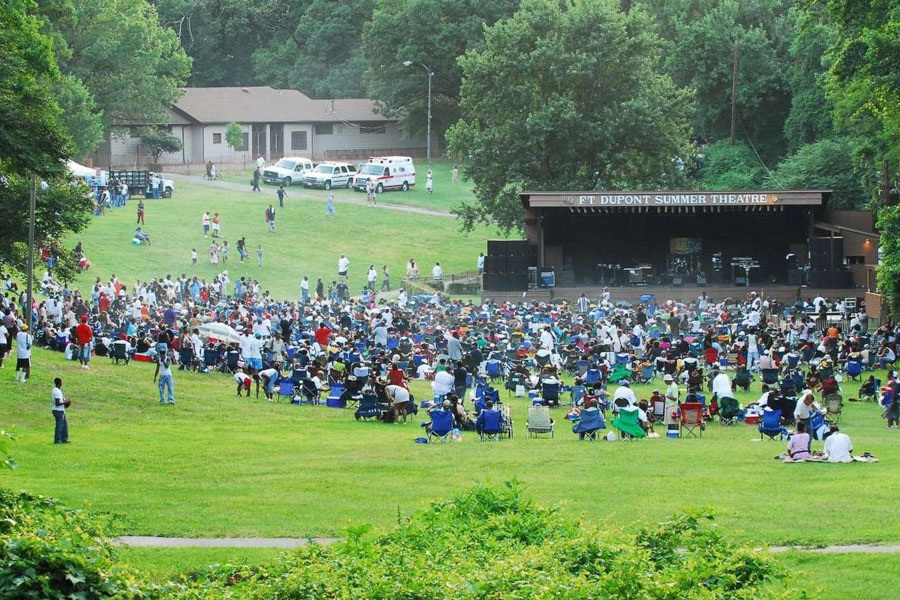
(330, 174)
(387, 173)
(287, 170)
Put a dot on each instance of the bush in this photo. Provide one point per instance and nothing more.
(464, 289)
(48, 551)
(727, 167)
(494, 543)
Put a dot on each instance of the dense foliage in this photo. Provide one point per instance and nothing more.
(567, 100)
(159, 141)
(826, 164)
(889, 269)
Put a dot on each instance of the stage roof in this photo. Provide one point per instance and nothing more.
(681, 198)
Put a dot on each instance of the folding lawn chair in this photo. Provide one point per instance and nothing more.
(590, 423)
(592, 376)
(728, 410)
(491, 425)
(619, 372)
(286, 389)
(834, 405)
(646, 374)
(691, 419)
(627, 423)
(368, 408)
(770, 425)
(769, 376)
(309, 391)
(118, 352)
(854, 369)
(494, 369)
(539, 421)
(210, 359)
(507, 422)
(441, 425)
(658, 411)
(550, 393)
(513, 381)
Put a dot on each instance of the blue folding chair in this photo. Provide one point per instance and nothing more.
(489, 425)
(854, 369)
(441, 425)
(590, 423)
(494, 369)
(550, 393)
(592, 376)
(285, 388)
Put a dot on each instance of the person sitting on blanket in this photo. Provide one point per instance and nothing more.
(838, 448)
(798, 446)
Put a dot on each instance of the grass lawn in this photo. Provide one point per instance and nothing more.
(445, 196)
(306, 243)
(215, 465)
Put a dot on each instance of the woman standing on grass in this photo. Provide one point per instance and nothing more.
(214, 253)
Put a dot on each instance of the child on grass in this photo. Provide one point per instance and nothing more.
(193, 256)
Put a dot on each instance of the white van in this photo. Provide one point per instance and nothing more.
(387, 172)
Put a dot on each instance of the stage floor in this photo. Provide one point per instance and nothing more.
(786, 294)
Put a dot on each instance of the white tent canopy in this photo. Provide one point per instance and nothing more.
(80, 170)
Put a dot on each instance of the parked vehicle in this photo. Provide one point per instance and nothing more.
(387, 172)
(288, 170)
(330, 174)
(138, 182)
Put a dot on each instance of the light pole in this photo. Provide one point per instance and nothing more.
(430, 71)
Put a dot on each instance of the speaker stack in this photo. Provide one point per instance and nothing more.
(506, 265)
(826, 263)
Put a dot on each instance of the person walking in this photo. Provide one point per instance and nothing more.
(84, 335)
(371, 193)
(224, 251)
(281, 194)
(454, 174)
(216, 225)
(59, 404)
(140, 213)
(270, 218)
(166, 382)
(24, 340)
(242, 248)
(206, 221)
(371, 275)
(304, 290)
(329, 204)
(254, 183)
(429, 181)
(259, 256)
(385, 279)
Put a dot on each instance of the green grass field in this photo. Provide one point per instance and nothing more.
(307, 242)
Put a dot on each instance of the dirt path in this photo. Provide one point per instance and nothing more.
(299, 193)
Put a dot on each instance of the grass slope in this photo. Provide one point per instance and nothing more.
(306, 242)
(215, 465)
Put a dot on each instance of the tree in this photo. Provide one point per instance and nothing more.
(727, 167)
(810, 118)
(566, 99)
(827, 164)
(889, 269)
(159, 141)
(234, 136)
(80, 115)
(433, 33)
(31, 136)
(132, 67)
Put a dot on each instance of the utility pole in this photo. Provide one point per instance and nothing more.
(734, 78)
(30, 262)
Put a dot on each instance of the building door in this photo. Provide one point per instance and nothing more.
(276, 140)
(258, 140)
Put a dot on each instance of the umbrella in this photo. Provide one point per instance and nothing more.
(220, 332)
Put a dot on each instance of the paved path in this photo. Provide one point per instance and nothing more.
(139, 541)
(298, 192)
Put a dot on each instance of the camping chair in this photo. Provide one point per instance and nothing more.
(335, 398)
(118, 352)
(619, 372)
(492, 426)
(769, 376)
(658, 411)
(513, 381)
(646, 374)
(581, 368)
(210, 359)
(577, 393)
(231, 360)
(550, 393)
(590, 423)
(742, 379)
(854, 369)
(728, 410)
(539, 421)
(368, 408)
(834, 404)
(494, 369)
(691, 419)
(286, 389)
(771, 425)
(506, 422)
(441, 425)
(592, 376)
(627, 423)
(309, 391)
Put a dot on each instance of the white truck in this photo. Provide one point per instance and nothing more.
(287, 170)
(330, 174)
(387, 173)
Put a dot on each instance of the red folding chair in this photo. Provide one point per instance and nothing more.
(691, 419)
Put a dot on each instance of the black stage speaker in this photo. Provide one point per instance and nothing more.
(793, 277)
(826, 254)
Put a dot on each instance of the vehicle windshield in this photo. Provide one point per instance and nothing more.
(371, 169)
(324, 169)
(285, 164)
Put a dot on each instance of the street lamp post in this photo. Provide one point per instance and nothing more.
(430, 71)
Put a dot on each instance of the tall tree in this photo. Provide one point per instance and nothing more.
(31, 136)
(131, 66)
(824, 164)
(810, 118)
(567, 98)
(431, 33)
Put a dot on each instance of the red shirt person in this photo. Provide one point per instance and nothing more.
(323, 334)
(84, 335)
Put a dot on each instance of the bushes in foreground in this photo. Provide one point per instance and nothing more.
(486, 543)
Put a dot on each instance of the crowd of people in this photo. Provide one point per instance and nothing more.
(365, 351)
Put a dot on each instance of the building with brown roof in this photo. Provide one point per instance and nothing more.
(276, 123)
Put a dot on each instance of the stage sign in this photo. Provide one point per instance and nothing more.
(759, 198)
(685, 245)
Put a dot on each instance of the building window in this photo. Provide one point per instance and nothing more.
(856, 260)
(298, 140)
(372, 128)
(324, 128)
(245, 143)
(217, 138)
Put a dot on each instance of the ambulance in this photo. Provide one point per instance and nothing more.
(387, 173)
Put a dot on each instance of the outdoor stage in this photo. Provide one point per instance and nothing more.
(675, 245)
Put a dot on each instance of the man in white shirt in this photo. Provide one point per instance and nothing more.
(625, 392)
(721, 386)
(546, 338)
(260, 162)
(343, 266)
(437, 273)
(371, 276)
(838, 447)
(23, 354)
(443, 383)
(4, 342)
(58, 407)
